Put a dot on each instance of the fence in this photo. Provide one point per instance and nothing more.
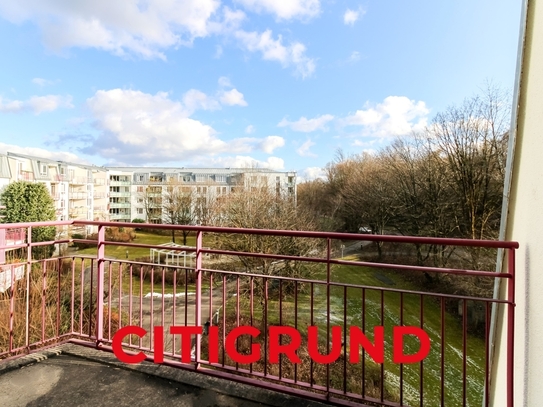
(305, 286)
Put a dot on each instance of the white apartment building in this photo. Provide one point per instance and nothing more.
(78, 191)
(138, 192)
(121, 194)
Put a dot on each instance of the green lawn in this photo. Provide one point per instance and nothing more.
(349, 301)
(119, 252)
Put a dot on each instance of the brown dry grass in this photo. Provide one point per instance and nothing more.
(361, 380)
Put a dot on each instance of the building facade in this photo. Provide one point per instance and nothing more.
(142, 192)
(122, 194)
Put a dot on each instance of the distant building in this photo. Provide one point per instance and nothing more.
(138, 192)
(121, 194)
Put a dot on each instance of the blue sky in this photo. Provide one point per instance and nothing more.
(210, 83)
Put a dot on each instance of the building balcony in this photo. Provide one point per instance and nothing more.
(119, 183)
(26, 176)
(100, 208)
(81, 180)
(99, 195)
(78, 212)
(119, 204)
(119, 194)
(120, 216)
(345, 314)
(77, 195)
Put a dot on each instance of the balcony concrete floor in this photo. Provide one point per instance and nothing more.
(71, 375)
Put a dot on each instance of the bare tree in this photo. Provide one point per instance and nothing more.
(151, 200)
(472, 138)
(259, 207)
(421, 189)
(178, 207)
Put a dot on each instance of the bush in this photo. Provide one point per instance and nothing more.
(138, 220)
(122, 235)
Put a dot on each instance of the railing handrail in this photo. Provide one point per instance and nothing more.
(496, 244)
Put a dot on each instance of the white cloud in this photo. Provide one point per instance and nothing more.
(396, 116)
(284, 10)
(308, 125)
(40, 152)
(128, 26)
(218, 52)
(42, 82)
(138, 128)
(146, 29)
(303, 150)
(250, 129)
(351, 16)
(232, 97)
(224, 82)
(274, 163)
(270, 143)
(274, 50)
(311, 173)
(355, 56)
(196, 100)
(36, 104)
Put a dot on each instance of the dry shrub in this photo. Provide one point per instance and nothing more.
(113, 234)
(50, 304)
(306, 371)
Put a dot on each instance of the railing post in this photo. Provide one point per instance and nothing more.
(28, 270)
(100, 284)
(3, 245)
(328, 279)
(511, 328)
(198, 302)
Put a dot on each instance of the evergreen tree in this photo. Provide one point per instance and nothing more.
(30, 202)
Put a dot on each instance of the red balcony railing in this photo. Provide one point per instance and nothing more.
(26, 176)
(281, 278)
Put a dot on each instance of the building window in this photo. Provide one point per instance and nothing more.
(43, 168)
(140, 189)
(140, 211)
